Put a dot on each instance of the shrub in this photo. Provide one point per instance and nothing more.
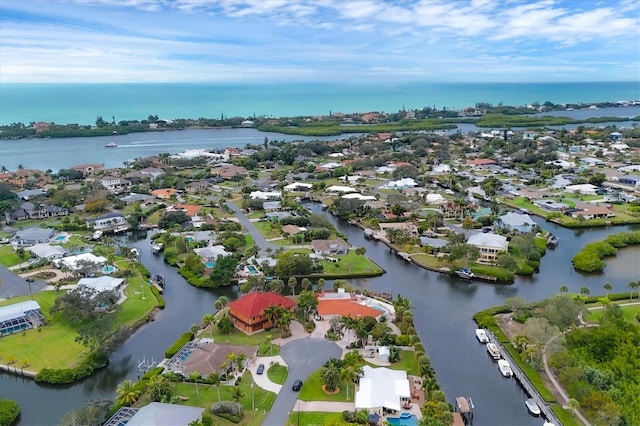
(402, 340)
(158, 297)
(61, 376)
(9, 412)
(182, 340)
(229, 410)
(349, 416)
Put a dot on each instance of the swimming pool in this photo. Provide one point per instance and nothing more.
(252, 269)
(109, 269)
(411, 420)
(210, 264)
(60, 238)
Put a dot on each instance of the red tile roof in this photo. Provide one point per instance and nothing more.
(252, 304)
(346, 307)
(481, 162)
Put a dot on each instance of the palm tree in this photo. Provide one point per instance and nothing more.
(194, 377)
(220, 303)
(321, 284)
(348, 374)
(215, 380)
(632, 286)
(607, 287)
(127, 392)
(284, 321)
(305, 283)
(564, 289)
(272, 312)
(237, 394)
(584, 292)
(292, 283)
(207, 320)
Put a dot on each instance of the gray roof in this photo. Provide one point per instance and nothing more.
(433, 242)
(161, 414)
(516, 219)
(27, 193)
(35, 233)
(17, 310)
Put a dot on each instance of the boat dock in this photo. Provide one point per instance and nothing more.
(158, 282)
(546, 411)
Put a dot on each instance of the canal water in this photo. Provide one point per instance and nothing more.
(442, 306)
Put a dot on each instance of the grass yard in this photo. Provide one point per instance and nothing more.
(238, 338)
(315, 418)
(628, 312)
(312, 390)
(350, 263)
(53, 346)
(407, 363)
(262, 399)
(8, 257)
(266, 229)
(277, 373)
(429, 261)
(140, 301)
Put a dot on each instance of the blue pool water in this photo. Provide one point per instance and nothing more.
(108, 269)
(252, 269)
(210, 264)
(61, 237)
(184, 357)
(403, 421)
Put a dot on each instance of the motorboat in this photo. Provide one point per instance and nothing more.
(505, 368)
(156, 247)
(552, 241)
(465, 273)
(464, 406)
(481, 335)
(493, 350)
(533, 408)
(548, 423)
(111, 145)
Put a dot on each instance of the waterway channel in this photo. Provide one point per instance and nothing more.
(443, 308)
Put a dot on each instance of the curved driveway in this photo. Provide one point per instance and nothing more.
(303, 357)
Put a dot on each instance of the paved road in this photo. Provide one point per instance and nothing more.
(12, 285)
(258, 238)
(303, 356)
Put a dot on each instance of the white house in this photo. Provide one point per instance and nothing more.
(46, 251)
(358, 196)
(74, 262)
(584, 189)
(109, 220)
(338, 188)
(103, 283)
(490, 245)
(265, 195)
(298, 186)
(401, 183)
(382, 388)
(516, 221)
(33, 235)
(115, 184)
(211, 253)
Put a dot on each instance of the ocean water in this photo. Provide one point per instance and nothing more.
(83, 103)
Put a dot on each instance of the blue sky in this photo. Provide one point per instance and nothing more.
(278, 41)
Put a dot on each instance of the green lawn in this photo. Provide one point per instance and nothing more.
(312, 390)
(140, 301)
(267, 230)
(239, 338)
(8, 257)
(628, 312)
(407, 363)
(350, 263)
(262, 400)
(315, 418)
(277, 373)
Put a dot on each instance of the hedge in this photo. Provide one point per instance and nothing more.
(62, 376)
(9, 412)
(182, 340)
(158, 296)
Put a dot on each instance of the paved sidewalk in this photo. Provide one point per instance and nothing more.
(262, 380)
(324, 406)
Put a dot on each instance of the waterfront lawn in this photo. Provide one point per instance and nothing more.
(430, 261)
(262, 400)
(315, 418)
(54, 346)
(8, 257)
(277, 373)
(139, 303)
(628, 313)
(408, 363)
(237, 337)
(350, 263)
(312, 390)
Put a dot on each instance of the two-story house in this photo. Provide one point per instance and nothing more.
(490, 246)
(115, 184)
(247, 312)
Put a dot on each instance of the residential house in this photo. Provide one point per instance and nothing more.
(516, 222)
(115, 185)
(198, 186)
(593, 212)
(298, 186)
(37, 211)
(88, 169)
(102, 283)
(262, 195)
(292, 229)
(490, 246)
(151, 172)
(107, 221)
(270, 206)
(205, 358)
(329, 247)
(230, 171)
(136, 198)
(630, 180)
(584, 189)
(401, 184)
(211, 253)
(20, 316)
(383, 389)
(551, 205)
(48, 252)
(247, 312)
(33, 235)
(164, 193)
(28, 194)
(158, 413)
(190, 210)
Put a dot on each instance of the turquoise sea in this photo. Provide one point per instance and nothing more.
(82, 103)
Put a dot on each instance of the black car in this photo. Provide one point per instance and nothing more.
(297, 385)
(30, 280)
(260, 369)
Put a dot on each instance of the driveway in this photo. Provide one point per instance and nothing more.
(12, 285)
(303, 356)
(258, 238)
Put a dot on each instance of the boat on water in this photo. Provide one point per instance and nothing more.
(111, 145)
(464, 406)
(482, 336)
(552, 241)
(533, 408)
(505, 368)
(548, 423)
(465, 273)
(157, 281)
(156, 247)
(493, 350)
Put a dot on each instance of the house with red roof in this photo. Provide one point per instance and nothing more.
(247, 312)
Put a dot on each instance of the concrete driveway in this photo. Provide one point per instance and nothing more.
(303, 356)
(13, 286)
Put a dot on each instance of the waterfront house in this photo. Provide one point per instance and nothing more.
(115, 185)
(33, 235)
(102, 283)
(107, 221)
(35, 211)
(207, 357)
(516, 222)
(163, 193)
(158, 413)
(87, 263)
(551, 205)
(19, 317)
(247, 312)
(593, 212)
(329, 247)
(211, 253)
(382, 389)
(490, 246)
(342, 304)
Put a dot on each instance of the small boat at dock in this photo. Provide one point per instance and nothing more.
(493, 350)
(533, 408)
(156, 247)
(157, 281)
(465, 273)
(505, 368)
(481, 335)
(464, 406)
(552, 241)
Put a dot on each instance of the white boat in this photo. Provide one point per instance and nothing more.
(111, 145)
(465, 273)
(493, 350)
(533, 408)
(505, 368)
(481, 335)
(156, 247)
(548, 423)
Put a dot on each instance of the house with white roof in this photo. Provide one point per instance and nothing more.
(516, 222)
(101, 284)
(490, 246)
(19, 317)
(46, 251)
(385, 169)
(338, 188)
(358, 196)
(108, 220)
(73, 263)
(211, 253)
(584, 189)
(382, 389)
(401, 183)
(298, 186)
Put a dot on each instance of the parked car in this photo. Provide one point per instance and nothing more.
(260, 369)
(297, 385)
(30, 280)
